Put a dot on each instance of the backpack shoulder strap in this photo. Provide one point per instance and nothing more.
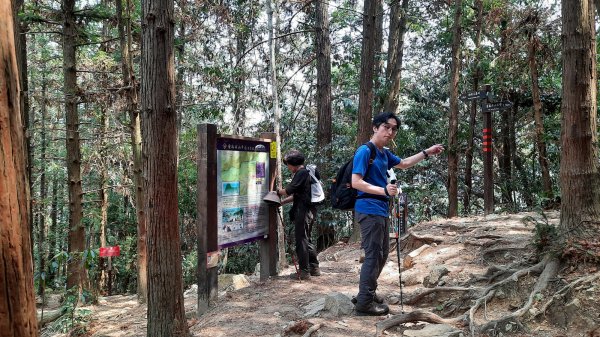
(373, 154)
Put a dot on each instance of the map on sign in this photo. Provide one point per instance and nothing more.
(242, 182)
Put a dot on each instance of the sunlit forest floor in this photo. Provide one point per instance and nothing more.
(466, 253)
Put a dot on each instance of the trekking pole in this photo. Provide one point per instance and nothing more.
(285, 240)
(399, 201)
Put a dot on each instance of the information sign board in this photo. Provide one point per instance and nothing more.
(242, 182)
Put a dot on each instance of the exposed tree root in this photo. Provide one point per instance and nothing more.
(547, 269)
(416, 316)
(413, 241)
(312, 329)
(560, 294)
(492, 251)
(419, 296)
(550, 269)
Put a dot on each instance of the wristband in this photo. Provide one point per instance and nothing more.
(386, 191)
(425, 154)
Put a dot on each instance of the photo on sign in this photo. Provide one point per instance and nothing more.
(231, 188)
(233, 219)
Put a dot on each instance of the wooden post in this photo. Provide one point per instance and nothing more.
(488, 157)
(271, 263)
(207, 214)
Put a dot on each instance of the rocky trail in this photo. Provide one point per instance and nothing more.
(476, 269)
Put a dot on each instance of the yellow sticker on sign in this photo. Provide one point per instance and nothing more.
(273, 150)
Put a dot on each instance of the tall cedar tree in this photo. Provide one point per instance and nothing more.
(17, 298)
(76, 277)
(453, 119)
(166, 315)
(323, 48)
(367, 68)
(131, 99)
(579, 168)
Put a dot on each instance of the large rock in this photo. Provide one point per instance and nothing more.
(434, 330)
(338, 304)
(436, 273)
(229, 282)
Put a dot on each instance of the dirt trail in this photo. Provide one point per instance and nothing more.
(464, 247)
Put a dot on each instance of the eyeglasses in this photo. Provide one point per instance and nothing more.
(389, 127)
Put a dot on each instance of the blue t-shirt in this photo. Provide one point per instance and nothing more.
(377, 175)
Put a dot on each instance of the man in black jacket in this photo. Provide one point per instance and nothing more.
(303, 214)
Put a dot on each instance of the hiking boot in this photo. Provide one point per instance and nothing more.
(371, 309)
(376, 299)
(315, 271)
(302, 275)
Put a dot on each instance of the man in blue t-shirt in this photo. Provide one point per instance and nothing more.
(372, 206)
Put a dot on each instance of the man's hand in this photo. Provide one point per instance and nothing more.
(435, 149)
(392, 189)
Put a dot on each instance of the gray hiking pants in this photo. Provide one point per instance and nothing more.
(375, 236)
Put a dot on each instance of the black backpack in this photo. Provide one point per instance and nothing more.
(342, 195)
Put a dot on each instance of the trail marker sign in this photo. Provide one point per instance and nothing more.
(496, 106)
(471, 96)
(110, 251)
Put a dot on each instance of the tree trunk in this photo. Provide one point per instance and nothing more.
(453, 118)
(53, 233)
(323, 48)
(20, 31)
(277, 127)
(367, 67)
(378, 74)
(76, 273)
(324, 134)
(395, 55)
(538, 118)
(504, 160)
(17, 298)
(124, 27)
(41, 206)
(103, 192)
(166, 314)
(579, 165)
(473, 112)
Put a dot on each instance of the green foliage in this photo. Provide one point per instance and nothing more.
(545, 235)
(242, 259)
(189, 265)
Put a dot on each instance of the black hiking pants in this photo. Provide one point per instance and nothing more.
(305, 249)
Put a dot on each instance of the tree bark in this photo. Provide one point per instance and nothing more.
(453, 118)
(504, 160)
(323, 48)
(579, 165)
(42, 244)
(538, 118)
(473, 111)
(398, 20)
(76, 273)
(166, 314)
(131, 98)
(17, 298)
(271, 14)
(367, 68)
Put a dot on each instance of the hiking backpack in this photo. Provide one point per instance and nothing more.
(317, 195)
(342, 195)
